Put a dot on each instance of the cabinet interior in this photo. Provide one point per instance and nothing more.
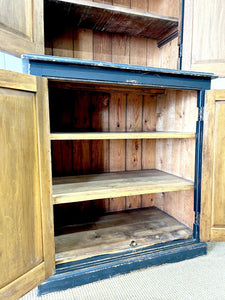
(129, 32)
(122, 166)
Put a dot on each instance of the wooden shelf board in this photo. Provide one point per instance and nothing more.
(114, 233)
(109, 18)
(103, 87)
(121, 135)
(119, 184)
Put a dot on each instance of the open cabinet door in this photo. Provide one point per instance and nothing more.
(203, 36)
(21, 26)
(213, 173)
(26, 217)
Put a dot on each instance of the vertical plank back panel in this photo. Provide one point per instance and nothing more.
(83, 44)
(63, 41)
(117, 123)
(148, 146)
(102, 48)
(133, 147)
(169, 8)
(100, 148)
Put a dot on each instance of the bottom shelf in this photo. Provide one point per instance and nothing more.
(118, 232)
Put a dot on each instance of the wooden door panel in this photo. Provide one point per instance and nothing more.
(21, 26)
(26, 235)
(213, 178)
(204, 39)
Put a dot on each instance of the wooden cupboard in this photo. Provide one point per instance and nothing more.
(125, 150)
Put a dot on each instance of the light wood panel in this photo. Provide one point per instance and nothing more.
(213, 170)
(121, 135)
(169, 7)
(129, 183)
(177, 109)
(26, 229)
(117, 122)
(204, 18)
(148, 155)
(21, 26)
(114, 233)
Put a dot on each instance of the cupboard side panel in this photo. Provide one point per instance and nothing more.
(176, 110)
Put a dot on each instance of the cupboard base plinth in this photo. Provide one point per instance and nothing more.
(73, 274)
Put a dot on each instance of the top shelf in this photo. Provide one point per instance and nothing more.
(109, 18)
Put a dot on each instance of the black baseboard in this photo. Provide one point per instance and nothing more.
(89, 270)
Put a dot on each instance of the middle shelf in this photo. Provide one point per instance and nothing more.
(116, 184)
(121, 135)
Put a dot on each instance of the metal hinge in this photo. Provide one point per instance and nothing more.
(201, 113)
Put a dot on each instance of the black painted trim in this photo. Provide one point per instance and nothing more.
(168, 39)
(198, 165)
(89, 270)
(181, 34)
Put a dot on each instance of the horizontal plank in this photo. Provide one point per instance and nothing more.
(118, 184)
(121, 135)
(113, 19)
(104, 87)
(114, 232)
(18, 81)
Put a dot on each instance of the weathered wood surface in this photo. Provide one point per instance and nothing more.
(123, 20)
(115, 232)
(204, 18)
(177, 109)
(26, 231)
(213, 168)
(121, 135)
(22, 27)
(129, 183)
(112, 47)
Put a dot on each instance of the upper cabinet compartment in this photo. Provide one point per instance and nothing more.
(112, 19)
(21, 26)
(131, 32)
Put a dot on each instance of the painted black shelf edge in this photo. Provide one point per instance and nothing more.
(77, 273)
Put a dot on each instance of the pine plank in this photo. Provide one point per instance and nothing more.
(148, 155)
(117, 123)
(83, 43)
(102, 46)
(114, 232)
(121, 135)
(133, 147)
(105, 185)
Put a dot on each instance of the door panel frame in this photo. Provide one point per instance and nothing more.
(46, 268)
(210, 231)
(18, 44)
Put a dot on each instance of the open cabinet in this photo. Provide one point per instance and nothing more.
(114, 150)
(126, 163)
